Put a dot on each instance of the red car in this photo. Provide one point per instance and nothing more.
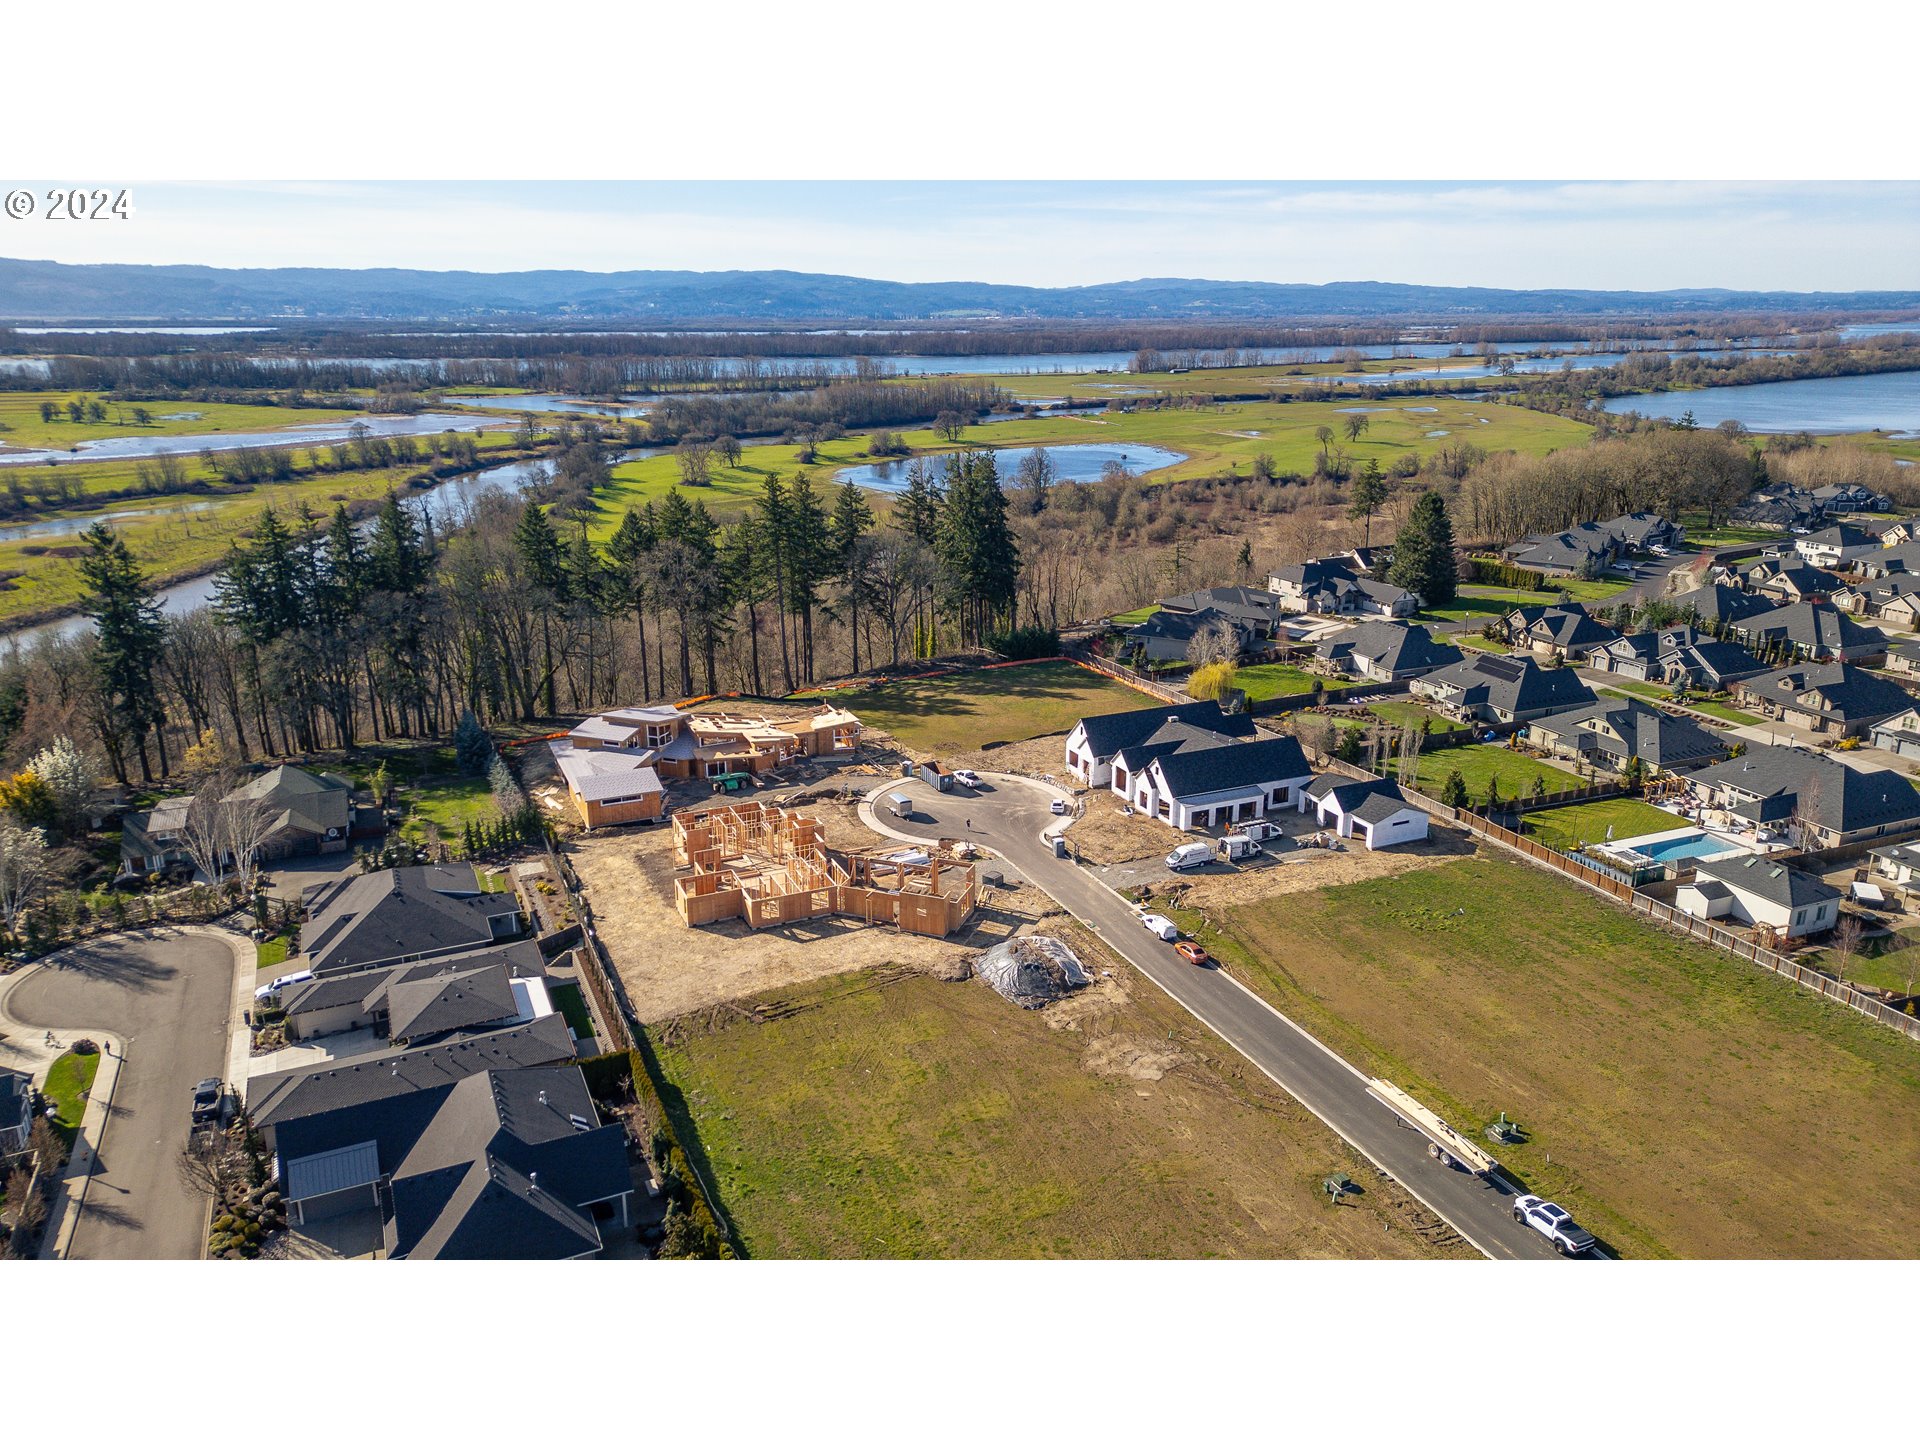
(1191, 952)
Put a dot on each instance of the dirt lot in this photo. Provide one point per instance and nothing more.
(669, 969)
(886, 1115)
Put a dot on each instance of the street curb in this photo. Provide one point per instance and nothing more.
(71, 1202)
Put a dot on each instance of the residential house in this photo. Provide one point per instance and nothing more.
(496, 1165)
(1644, 531)
(1900, 734)
(1614, 731)
(1585, 550)
(1517, 624)
(686, 745)
(1386, 650)
(1502, 689)
(1904, 658)
(1895, 598)
(361, 999)
(1097, 739)
(1368, 559)
(1568, 632)
(413, 912)
(1666, 656)
(1165, 637)
(1816, 631)
(1786, 583)
(1256, 611)
(1896, 532)
(609, 786)
(1845, 499)
(153, 842)
(1897, 863)
(1191, 781)
(1838, 546)
(1376, 812)
(1332, 587)
(1901, 558)
(1820, 802)
(1721, 604)
(1779, 506)
(1753, 890)
(16, 1110)
(307, 813)
(1824, 697)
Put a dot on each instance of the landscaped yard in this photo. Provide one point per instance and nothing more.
(270, 952)
(1489, 602)
(1265, 682)
(568, 1000)
(68, 1084)
(1478, 764)
(1405, 712)
(981, 707)
(889, 1116)
(1563, 827)
(1658, 693)
(1136, 617)
(1691, 1103)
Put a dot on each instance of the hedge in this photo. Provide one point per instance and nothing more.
(1489, 571)
(703, 1237)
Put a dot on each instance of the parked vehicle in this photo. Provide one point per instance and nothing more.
(900, 806)
(1159, 925)
(1190, 952)
(280, 982)
(1554, 1223)
(1189, 856)
(1239, 847)
(206, 1101)
(1261, 830)
(1059, 807)
(966, 778)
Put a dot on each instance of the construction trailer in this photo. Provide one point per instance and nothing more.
(768, 866)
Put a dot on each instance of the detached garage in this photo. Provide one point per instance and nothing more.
(1376, 812)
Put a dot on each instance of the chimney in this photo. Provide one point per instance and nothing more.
(543, 1097)
(533, 1182)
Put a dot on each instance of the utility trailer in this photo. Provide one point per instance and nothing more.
(1443, 1141)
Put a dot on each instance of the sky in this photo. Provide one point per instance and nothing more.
(1616, 235)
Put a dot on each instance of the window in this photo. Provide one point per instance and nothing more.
(658, 735)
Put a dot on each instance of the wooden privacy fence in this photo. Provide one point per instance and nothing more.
(1695, 927)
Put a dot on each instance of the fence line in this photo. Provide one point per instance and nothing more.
(1695, 927)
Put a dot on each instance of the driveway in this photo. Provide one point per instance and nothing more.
(170, 994)
(1010, 819)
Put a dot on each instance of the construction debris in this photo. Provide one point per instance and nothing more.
(1033, 970)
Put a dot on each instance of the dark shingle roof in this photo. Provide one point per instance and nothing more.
(1233, 764)
(1846, 692)
(1770, 880)
(1632, 727)
(520, 959)
(441, 1004)
(1109, 734)
(1391, 645)
(1723, 602)
(1832, 796)
(1819, 628)
(389, 914)
(1510, 683)
(1369, 800)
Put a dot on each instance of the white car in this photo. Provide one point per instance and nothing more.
(275, 986)
(966, 778)
(1159, 925)
(1059, 807)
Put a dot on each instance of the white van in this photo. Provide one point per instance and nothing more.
(1159, 925)
(1239, 847)
(1186, 857)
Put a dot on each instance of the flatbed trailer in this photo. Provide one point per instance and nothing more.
(1441, 1137)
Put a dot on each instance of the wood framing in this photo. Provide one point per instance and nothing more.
(769, 866)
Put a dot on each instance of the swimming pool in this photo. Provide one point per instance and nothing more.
(1682, 847)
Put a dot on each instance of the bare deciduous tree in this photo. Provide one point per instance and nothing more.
(23, 869)
(1846, 945)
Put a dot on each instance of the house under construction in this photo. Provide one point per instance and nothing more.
(769, 866)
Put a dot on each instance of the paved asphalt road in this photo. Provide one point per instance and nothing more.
(1009, 819)
(170, 996)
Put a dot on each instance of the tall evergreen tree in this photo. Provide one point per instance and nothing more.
(852, 519)
(978, 556)
(1423, 558)
(546, 569)
(809, 550)
(128, 634)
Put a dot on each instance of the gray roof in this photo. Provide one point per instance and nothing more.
(1850, 694)
(1109, 734)
(368, 987)
(440, 1004)
(1638, 529)
(1570, 628)
(338, 1084)
(607, 775)
(392, 914)
(1166, 634)
(1844, 534)
(1819, 628)
(1510, 683)
(1393, 645)
(331, 1171)
(1832, 796)
(305, 803)
(1770, 880)
(1722, 602)
(1633, 727)
(1233, 765)
(1237, 602)
(1370, 801)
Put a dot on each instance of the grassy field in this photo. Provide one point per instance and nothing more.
(1489, 602)
(984, 707)
(1406, 712)
(1680, 1101)
(22, 427)
(1657, 693)
(1216, 439)
(1306, 378)
(893, 1117)
(1136, 617)
(270, 952)
(1265, 682)
(1563, 827)
(68, 1084)
(1478, 764)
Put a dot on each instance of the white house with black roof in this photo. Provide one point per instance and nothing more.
(1096, 740)
(1194, 780)
(1376, 812)
(1754, 890)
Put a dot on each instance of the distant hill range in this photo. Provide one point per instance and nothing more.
(49, 291)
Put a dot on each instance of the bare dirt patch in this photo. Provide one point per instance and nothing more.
(669, 968)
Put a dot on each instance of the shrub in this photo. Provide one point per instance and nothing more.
(1027, 642)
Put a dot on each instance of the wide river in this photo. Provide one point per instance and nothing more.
(1831, 404)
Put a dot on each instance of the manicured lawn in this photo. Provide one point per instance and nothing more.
(883, 1116)
(1481, 642)
(1564, 827)
(1405, 712)
(1136, 617)
(568, 1000)
(1692, 1103)
(1724, 712)
(1718, 709)
(1265, 682)
(981, 707)
(68, 1084)
(270, 952)
(1478, 764)
(1488, 602)
(449, 801)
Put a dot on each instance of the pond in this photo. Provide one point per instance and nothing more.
(1071, 462)
(143, 447)
(544, 402)
(1833, 404)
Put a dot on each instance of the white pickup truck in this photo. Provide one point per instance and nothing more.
(1554, 1223)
